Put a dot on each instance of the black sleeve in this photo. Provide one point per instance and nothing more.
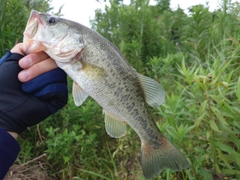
(9, 149)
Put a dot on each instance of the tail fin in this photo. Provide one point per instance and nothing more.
(155, 159)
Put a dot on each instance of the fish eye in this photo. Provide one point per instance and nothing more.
(51, 20)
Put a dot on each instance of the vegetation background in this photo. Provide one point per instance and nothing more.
(196, 58)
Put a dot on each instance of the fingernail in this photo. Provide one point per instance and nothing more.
(25, 62)
(23, 76)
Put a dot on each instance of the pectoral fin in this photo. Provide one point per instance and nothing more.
(154, 92)
(114, 127)
(79, 95)
(93, 72)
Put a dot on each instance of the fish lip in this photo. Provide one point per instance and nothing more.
(31, 30)
(32, 24)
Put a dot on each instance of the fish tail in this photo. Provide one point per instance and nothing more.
(164, 155)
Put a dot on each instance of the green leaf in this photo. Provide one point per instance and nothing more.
(95, 174)
(2, 13)
(226, 148)
(199, 120)
(224, 158)
(214, 126)
(203, 107)
(238, 89)
(230, 172)
(219, 115)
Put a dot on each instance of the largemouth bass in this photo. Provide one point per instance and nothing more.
(99, 70)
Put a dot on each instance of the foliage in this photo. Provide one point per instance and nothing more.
(196, 58)
(12, 26)
(133, 27)
(204, 110)
(39, 5)
(2, 18)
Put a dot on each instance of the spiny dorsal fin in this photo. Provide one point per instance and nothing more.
(79, 95)
(154, 92)
(114, 127)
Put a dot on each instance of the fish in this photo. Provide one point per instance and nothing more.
(100, 71)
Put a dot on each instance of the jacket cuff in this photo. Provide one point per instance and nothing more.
(9, 55)
(8, 146)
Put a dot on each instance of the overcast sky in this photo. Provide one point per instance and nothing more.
(82, 10)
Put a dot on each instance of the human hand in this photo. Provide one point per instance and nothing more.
(33, 64)
(41, 92)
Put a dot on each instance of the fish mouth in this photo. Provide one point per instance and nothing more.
(32, 24)
(31, 30)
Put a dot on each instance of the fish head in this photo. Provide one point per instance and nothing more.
(58, 37)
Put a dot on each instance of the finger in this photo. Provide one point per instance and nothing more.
(32, 59)
(18, 48)
(37, 69)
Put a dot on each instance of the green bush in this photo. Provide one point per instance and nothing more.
(202, 115)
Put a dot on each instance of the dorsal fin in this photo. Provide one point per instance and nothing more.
(154, 92)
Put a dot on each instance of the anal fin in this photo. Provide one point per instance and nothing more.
(114, 127)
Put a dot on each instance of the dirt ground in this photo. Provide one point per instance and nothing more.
(31, 170)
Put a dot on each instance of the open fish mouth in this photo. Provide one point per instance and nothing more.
(32, 24)
(32, 27)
